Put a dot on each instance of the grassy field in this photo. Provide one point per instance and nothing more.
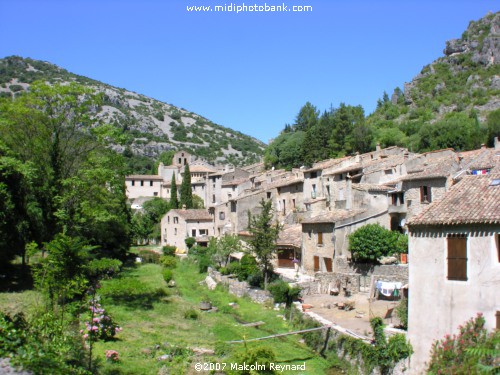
(153, 320)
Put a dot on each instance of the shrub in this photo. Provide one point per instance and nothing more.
(149, 256)
(191, 314)
(168, 261)
(256, 279)
(100, 326)
(283, 293)
(204, 261)
(169, 250)
(402, 312)
(167, 275)
(472, 349)
(190, 241)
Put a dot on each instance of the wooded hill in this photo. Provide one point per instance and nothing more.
(453, 102)
(149, 127)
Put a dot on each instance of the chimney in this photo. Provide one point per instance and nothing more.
(357, 158)
(497, 144)
(183, 207)
(377, 148)
(483, 146)
(405, 155)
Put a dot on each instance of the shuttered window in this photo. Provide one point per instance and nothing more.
(316, 264)
(320, 238)
(457, 257)
(328, 264)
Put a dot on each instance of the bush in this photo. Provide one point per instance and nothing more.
(283, 293)
(191, 314)
(169, 250)
(149, 256)
(467, 352)
(167, 275)
(402, 312)
(256, 279)
(168, 261)
(204, 261)
(190, 241)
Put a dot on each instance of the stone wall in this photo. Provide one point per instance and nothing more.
(354, 277)
(240, 288)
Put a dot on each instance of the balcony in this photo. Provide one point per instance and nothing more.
(397, 209)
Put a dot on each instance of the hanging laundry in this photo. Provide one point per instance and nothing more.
(388, 289)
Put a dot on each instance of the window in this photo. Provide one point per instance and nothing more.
(175, 231)
(222, 215)
(314, 174)
(213, 198)
(309, 233)
(328, 264)
(234, 188)
(133, 182)
(293, 203)
(457, 257)
(193, 232)
(284, 207)
(268, 194)
(168, 219)
(142, 182)
(425, 194)
(151, 183)
(320, 238)
(176, 220)
(155, 193)
(203, 232)
(233, 206)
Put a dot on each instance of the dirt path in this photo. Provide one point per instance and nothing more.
(358, 319)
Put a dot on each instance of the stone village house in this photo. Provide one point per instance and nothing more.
(454, 263)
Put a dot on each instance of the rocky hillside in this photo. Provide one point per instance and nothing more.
(465, 81)
(150, 126)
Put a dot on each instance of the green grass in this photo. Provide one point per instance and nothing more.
(153, 322)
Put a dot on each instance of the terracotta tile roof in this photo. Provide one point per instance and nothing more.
(433, 168)
(144, 177)
(332, 216)
(201, 169)
(239, 181)
(290, 236)
(285, 182)
(473, 200)
(372, 187)
(326, 164)
(480, 159)
(193, 214)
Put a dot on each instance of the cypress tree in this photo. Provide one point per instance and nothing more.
(186, 192)
(174, 202)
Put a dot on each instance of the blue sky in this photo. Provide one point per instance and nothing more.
(248, 71)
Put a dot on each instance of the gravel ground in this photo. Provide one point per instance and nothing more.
(7, 369)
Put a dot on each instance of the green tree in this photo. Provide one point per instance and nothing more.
(315, 147)
(306, 118)
(62, 274)
(186, 189)
(224, 246)
(372, 241)
(174, 201)
(345, 119)
(493, 124)
(285, 151)
(19, 214)
(264, 234)
(198, 202)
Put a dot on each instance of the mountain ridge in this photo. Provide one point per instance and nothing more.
(150, 126)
